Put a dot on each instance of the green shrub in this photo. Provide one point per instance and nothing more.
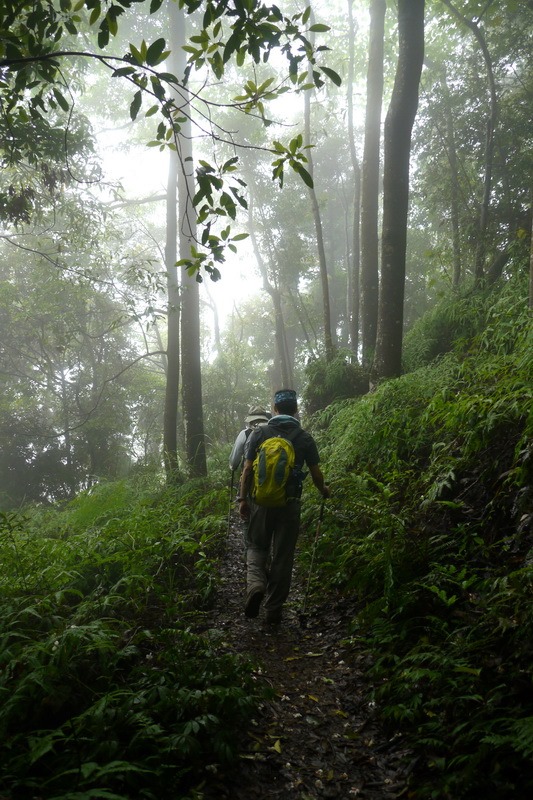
(327, 381)
(429, 529)
(105, 688)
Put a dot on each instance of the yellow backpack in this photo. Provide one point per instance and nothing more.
(273, 468)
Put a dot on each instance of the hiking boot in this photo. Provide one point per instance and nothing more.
(273, 617)
(253, 601)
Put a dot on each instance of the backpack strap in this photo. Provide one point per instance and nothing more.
(269, 430)
(291, 436)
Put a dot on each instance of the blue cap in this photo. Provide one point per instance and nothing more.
(284, 394)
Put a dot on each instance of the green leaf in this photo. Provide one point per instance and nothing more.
(318, 27)
(135, 105)
(229, 166)
(303, 173)
(155, 51)
(95, 13)
(120, 73)
(136, 54)
(61, 100)
(112, 24)
(103, 35)
(332, 75)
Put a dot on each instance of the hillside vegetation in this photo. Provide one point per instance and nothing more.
(108, 687)
(431, 528)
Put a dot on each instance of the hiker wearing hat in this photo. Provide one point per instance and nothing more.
(255, 416)
(273, 524)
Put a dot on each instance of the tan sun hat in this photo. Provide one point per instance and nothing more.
(256, 414)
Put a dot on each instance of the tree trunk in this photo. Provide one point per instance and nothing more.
(172, 371)
(282, 373)
(454, 184)
(354, 259)
(191, 376)
(397, 147)
(370, 183)
(326, 310)
(492, 118)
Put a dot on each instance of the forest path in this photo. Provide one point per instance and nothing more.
(317, 737)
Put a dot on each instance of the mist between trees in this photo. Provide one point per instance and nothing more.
(359, 162)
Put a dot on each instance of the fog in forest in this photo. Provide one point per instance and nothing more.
(113, 358)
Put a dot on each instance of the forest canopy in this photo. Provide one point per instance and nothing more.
(148, 146)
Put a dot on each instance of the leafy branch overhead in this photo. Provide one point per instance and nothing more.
(38, 37)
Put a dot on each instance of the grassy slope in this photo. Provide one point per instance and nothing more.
(105, 690)
(431, 528)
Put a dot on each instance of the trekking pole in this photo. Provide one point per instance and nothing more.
(230, 499)
(317, 536)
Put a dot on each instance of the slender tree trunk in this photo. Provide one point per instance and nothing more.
(326, 308)
(211, 304)
(282, 373)
(299, 309)
(354, 261)
(191, 376)
(370, 183)
(451, 151)
(172, 371)
(492, 118)
(397, 141)
(65, 406)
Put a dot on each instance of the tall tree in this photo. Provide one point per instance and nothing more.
(282, 372)
(370, 182)
(191, 365)
(354, 253)
(321, 250)
(492, 118)
(397, 147)
(451, 150)
(172, 361)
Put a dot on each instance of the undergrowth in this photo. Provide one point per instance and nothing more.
(105, 688)
(430, 527)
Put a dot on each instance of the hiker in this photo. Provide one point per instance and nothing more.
(273, 531)
(255, 416)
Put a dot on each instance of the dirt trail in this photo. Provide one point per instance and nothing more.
(317, 738)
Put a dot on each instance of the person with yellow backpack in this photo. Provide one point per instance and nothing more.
(269, 499)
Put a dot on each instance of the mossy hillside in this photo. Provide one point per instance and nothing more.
(430, 528)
